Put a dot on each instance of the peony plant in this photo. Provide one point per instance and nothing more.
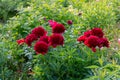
(42, 40)
(94, 38)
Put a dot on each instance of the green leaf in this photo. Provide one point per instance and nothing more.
(92, 67)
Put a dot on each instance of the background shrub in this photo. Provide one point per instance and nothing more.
(8, 8)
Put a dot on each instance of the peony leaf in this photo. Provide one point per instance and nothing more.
(92, 67)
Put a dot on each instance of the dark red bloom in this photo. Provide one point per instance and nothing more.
(87, 33)
(69, 22)
(41, 47)
(58, 28)
(103, 42)
(30, 38)
(94, 38)
(92, 41)
(56, 39)
(39, 31)
(97, 32)
(81, 38)
(52, 23)
(44, 38)
(21, 41)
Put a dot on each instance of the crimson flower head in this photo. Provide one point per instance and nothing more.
(44, 39)
(52, 23)
(69, 22)
(30, 38)
(92, 41)
(97, 32)
(103, 42)
(87, 33)
(56, 39)
(58, 28)
(21, 41)
(41, 47)
(39, 31)
(81, 38)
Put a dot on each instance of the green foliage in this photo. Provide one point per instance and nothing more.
(8, 8)
(73, 61)
(97, 14)
(117, 9)
(105, 72)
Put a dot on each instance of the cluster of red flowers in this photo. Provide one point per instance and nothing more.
(43, 41)
(91, 38)
(94, 38)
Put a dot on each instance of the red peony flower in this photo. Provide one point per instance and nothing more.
(87, 33)
(93, 38)
(44, 38)
(92, 41)
(81, 38)
(30, 38)
(52, 23)
(97, 32)
(56, 39)
(58, 28)
(69, 22)
(39, 31)
(41, 47)
(103, 42)
(20, 41)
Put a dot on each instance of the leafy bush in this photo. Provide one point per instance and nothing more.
(97, 14)
(116, 6)
(33, 16)
(8, 8)
(105, 71)
(71, 61)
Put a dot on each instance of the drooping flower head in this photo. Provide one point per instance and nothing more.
(58, 28)
(39, 31)
(44, 39)
(97, 32)
(81, 38)
(41, 47)
(56, 39)
(30, 38)
(21, 41)
(52, 23)
(69, 22)
(103, 42)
